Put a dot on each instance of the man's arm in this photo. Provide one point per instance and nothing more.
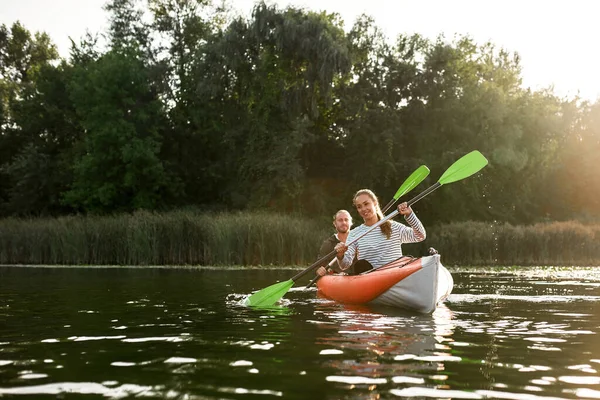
(326, 248)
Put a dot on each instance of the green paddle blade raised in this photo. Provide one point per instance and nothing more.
(412, 181)
(466, 166)
(269, 295)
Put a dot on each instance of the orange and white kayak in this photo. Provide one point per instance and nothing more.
(416, 284)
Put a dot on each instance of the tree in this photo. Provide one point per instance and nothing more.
(119, 169)
(22, 58)
(573, 184)
(184, 27)
(42, 168)
(467, 97)
(262, 89)
(369, 127)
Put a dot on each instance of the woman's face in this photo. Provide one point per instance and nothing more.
(365, 206)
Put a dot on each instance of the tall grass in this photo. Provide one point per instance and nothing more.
(557, 243)
(255, 238)
(175, 238)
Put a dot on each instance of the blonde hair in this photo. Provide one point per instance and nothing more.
(386, 227)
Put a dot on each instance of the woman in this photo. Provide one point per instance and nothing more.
(382, 245)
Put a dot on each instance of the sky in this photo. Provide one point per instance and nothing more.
(557, 40)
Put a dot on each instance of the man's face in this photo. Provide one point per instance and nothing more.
(343, 222)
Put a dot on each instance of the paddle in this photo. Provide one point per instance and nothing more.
(409, 184)
(464, 167)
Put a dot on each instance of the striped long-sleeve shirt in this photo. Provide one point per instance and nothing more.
(376, 248)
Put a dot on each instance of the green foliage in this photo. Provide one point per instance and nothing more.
(263, 87)
(119, 168)
(127, 29)
(29, 183)
(284, 111)
(574, 173)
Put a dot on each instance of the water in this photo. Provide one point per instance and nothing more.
(182, 334)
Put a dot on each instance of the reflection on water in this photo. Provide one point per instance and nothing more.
(183, 334)
(378, 342)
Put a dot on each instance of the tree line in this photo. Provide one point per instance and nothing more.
(185, 105)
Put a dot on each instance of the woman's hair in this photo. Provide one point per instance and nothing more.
(386, 227)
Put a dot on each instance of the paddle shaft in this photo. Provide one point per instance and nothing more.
(413, 200)
(392, 215)
(388, 205)
(423, 193)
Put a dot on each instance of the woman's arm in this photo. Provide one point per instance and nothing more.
(413, 233)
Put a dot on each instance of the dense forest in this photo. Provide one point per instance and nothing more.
(179, 105)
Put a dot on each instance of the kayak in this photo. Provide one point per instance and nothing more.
(416, 284)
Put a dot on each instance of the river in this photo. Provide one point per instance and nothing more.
(183, 333)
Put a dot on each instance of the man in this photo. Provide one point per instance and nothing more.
(342, 221)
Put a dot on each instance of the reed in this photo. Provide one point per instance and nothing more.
(556, 243)
(260, 238)
(174, 238)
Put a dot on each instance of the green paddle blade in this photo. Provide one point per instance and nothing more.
(412, 181)
(269, 295)
(464, 167)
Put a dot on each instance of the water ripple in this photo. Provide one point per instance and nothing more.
(249, 391)
(356, 380)
(155, 339)
(471, 298)
(435, 393)
(119, 392)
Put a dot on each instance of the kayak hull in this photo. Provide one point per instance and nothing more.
(411, 284)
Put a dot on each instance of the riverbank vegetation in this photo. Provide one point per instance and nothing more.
(195, 238)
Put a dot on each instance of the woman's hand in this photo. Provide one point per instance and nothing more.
(340, 249)
(321, 271)
(404, 208)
